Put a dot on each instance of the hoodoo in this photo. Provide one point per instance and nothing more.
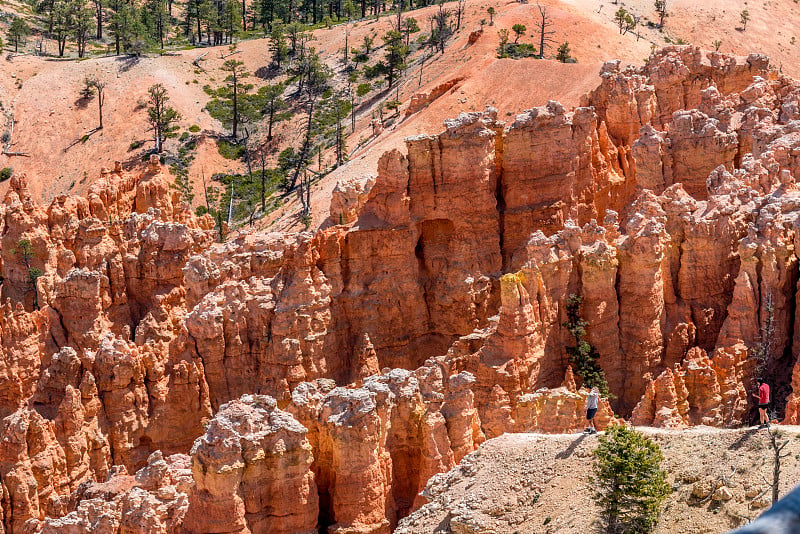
(154, 380)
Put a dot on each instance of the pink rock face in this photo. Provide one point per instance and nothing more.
(251, 472)
(153, 501)
(559, 410)
(353, 363)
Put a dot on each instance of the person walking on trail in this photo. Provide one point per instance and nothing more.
(763, 403)
(591, 410)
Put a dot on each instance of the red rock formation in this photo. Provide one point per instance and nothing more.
(426, 317)
(251, 472)
(153, 501)
(420, 100)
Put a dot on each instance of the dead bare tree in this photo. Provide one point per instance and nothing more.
(92, 86)
(763, 351)
(661, 9)
(544, 24)
(304, 193)
(460, 7)
(777, 449)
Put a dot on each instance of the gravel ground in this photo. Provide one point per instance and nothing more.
(534, 483)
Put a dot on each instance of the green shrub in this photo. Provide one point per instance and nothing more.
(563, 54)
(517, 51)
(5, 173)
(194, 128)
(363, 89)
(136, 144)
(230, 150)
(629, 484)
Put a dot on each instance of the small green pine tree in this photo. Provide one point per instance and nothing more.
(24, 249)
(583, 356)
(563, 53)
(629, 484)
(519, 30)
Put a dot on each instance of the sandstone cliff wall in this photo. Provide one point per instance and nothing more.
(357, 361)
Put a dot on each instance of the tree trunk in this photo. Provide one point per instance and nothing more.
(304, 149)
(263, 188)
(271, 120)
(99, 8)
(776, 477)
(199, 28)
(235, 105)
(100, 107)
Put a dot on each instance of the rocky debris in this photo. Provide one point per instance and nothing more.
(153, 501)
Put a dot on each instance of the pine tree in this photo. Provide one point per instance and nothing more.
(409, 26)
(230, 104)
(62, 24)
(502, 36)
(441, 30)
(229, 21)
(395, 59)
(316, 78)
(583, 356)
(624, 20)
(629, 484)
(83, 24)
(17, 32)
(161, 116)
(519, 30)
(277, 45)
(563, 53)
(329, 122)
(272, 105)
(156, 21)
(127, 29)
(349, 9)
(294, 31)
(661, 9)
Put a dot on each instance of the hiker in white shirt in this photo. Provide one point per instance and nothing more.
(591, 410)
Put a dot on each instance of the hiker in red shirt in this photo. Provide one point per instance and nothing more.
(763, 403)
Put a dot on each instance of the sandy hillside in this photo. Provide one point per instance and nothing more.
(50, 121)
(514, 85)
(539, 483)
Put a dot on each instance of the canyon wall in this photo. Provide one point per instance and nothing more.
(317, 380)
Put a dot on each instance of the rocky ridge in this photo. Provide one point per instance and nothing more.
(357, 361)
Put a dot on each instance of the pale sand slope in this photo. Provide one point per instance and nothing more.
(534, 483)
